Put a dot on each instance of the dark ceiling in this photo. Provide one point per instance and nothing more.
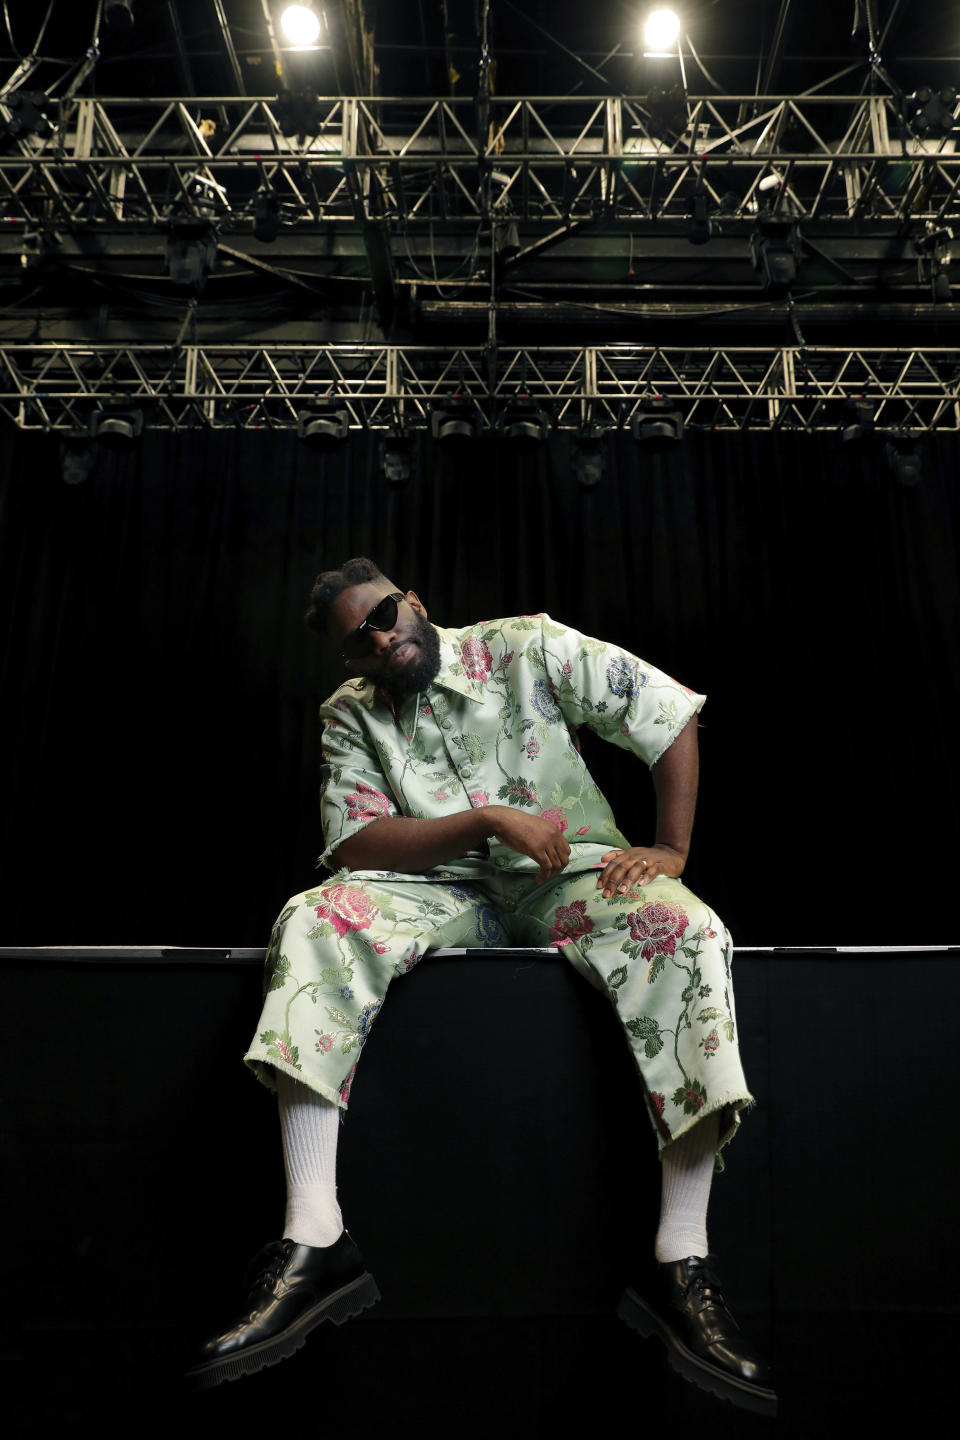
(539, 47)
(530, 244)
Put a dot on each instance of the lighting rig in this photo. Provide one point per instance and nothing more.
(593, 251)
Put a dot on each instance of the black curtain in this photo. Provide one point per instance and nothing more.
(159, 689)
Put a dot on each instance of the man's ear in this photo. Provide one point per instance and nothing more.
(415, 603)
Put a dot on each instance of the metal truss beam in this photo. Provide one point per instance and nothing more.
(58, 387)
(551, 159)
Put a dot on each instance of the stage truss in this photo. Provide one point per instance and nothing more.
(552, 158)
(391, 388)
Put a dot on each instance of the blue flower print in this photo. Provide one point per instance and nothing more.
(489, 929)
(541, 698)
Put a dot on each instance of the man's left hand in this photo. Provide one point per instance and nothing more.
(623, 869)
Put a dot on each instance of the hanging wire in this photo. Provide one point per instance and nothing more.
(709, 78)
(27, 63)
(39, 40)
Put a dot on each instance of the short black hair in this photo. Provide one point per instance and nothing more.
(332, 583)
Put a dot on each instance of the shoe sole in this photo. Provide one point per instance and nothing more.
(351, 1300)
(634, 1311)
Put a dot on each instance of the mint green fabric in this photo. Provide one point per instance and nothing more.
(498, 726)
(659, 953)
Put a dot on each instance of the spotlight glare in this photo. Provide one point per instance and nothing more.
(661, 30)
(300, 25)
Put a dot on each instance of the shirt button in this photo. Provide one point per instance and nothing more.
(466, 772)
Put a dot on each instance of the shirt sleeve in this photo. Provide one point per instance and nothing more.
(354, 790)
(618, 695)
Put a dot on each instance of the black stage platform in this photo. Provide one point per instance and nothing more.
(499, 1172)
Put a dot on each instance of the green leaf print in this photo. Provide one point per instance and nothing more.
(692, 1097)
(668, 714)
(281, 1047)
(645, 1028)
(472, 746)
(281, 968)
(616, 977)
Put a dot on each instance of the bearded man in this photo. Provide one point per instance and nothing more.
(457, 811)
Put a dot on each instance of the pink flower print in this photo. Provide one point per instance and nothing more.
(556, 817)
(381, 948)
(477, 660)
(284, 1049)
(567, 668)
(505, 661)
(366, 803)
(533, 749)
(709, 934)
(584, 830)
(325, 1044)
(347, 907)
(657, 1101)
(712, 1043)
(570, 922)
(441, 796)
(479, 798)
(345, 1088)
(657, 928)
(426, 709)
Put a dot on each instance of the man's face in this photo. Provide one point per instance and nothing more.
(403, 660)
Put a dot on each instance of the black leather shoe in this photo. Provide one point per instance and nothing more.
(687, 1311)
(292, 1289)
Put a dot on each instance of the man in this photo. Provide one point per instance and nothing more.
(457, 811)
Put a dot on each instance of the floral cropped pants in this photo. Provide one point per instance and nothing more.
(660, 954)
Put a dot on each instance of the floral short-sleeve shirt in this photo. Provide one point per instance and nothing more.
(498, 725)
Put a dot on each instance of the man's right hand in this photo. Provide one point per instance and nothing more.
(530, 835)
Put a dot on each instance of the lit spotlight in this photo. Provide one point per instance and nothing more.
(661, 31)
(300, 24)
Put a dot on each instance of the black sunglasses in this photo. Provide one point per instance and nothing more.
(383, 616)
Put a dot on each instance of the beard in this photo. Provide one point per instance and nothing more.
(416, 677)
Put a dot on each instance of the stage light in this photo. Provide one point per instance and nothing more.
(28, 115)
(929, 113)
(78, 456)
(902, 453)
(119, 14)
(191, 253)
(324, 425)
(588, 458)
(775, 252)
(657, 423)
(301, 25)
(523, 420)
(266, 215)
(116, 427)
(396, 455)
(661, 31)
(933, 261)
(698, 226)
(860, 422)
(455, 421)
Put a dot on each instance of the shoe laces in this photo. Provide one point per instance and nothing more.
(267, 1266)
(705, 1283)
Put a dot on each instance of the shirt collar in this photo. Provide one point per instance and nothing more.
(450, 676)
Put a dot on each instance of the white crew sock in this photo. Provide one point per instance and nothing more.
(687, 1172)
(309, 1125)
